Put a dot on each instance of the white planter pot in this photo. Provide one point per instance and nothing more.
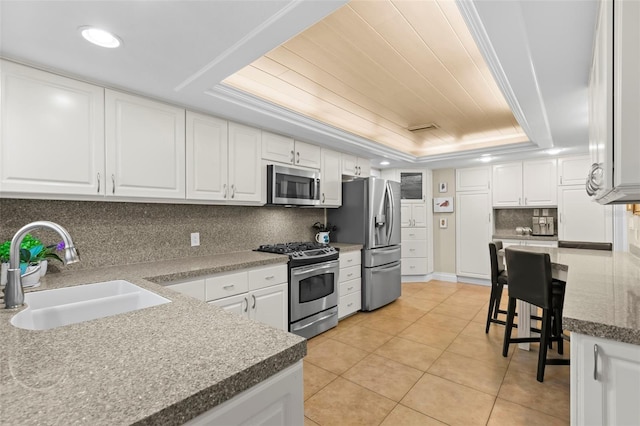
(31, 277)
(43, 267)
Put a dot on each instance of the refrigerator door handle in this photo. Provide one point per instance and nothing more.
(391, 213)
(393, 265)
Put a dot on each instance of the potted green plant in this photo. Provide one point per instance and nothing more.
(33, 255)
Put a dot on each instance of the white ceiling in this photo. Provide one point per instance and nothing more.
(180, 51)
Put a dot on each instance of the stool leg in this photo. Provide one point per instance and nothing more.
(507, 330)
(558, 330)
(497, 300)
(492, 301)
(544, 336)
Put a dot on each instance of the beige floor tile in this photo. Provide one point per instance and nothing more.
(409, 291)
(316, 340)
(527, 362)
(399, 310)
(315, 378)
(476, 374)
(550, 397)
(404, 416)
(345, 324)
(508, 413)
(414, 286)
(414, 302)
(449, 402)
(345, 403)
(482, 349)
(481, 316)
(465, 301)
(457, 311)
(496, 332)
(363, 338)
(434, 295)
(334, 356)
(428, 335)
(408, 352)
(309, 422)
(454, 325)
(383, 376)
(386, 324)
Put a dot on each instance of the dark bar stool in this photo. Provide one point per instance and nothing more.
(530, 280)
(498, 281)
(588, 245)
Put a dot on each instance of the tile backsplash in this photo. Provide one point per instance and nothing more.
(506, 220)
(111, 233)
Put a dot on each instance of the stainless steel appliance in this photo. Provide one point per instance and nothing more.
(370, 215)
(542, 225)
(292, 186)
(313, 286)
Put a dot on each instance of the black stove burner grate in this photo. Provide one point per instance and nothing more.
(287, 248)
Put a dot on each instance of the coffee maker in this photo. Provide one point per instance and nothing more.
(542, 225)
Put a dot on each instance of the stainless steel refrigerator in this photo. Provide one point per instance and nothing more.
(370, 215)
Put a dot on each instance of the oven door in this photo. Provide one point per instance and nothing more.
(313, 289)
(290, 186)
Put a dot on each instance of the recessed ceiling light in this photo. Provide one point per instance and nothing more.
(100, 37)
(554, 151)
(384, 163)
(485, 158)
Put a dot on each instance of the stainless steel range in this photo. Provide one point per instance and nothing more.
(313, 286)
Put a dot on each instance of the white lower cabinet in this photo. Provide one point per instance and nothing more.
(277, 401)
(605, 381)
(350, 283)
(261, 294)
(534, 243)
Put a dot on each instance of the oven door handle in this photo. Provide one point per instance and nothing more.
(297, 328)
(313, 269)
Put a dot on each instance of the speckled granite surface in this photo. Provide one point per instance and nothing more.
(346, 247)
(160, 365)
(603, 292)
(511, 235)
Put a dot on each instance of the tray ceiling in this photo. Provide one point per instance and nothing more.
(379, 68)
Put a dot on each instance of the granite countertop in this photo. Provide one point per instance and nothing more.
(159, 365)
(511, 235)
(602, 296)
(346, 247)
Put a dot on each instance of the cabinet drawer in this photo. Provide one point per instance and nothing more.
(414, 266)
(226, 285)
(350, 273)
(409, 234)
(414, 249)
(264, 277)
(349, 287)
(350, 258)
(193, 288)
(349, 304)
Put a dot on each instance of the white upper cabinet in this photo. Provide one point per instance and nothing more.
(207, 171)
(330, 179)
(52, 134)
(573, 170)
(245, 165)
(530, 183)
(355, 166)
(284, 149)
(582, 219)
(473, 179)
(145, 147)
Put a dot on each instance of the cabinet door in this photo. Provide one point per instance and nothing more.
(580, 218)
(364, 167)
(419, 214)
(406, 217)
(539, 183)
(473, 179)
(52, 133)
(331, 179)
(349, 164)
(473, 232)
(238, 304)
(245, 164)
(573, 170)
(507, 185)
(307, 155)
(277, 148)
(145, 147)
(206, 157)
(270, 306)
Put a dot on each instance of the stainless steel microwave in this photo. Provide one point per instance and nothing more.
(291, 186)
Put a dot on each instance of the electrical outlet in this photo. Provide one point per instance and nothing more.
(195, 239)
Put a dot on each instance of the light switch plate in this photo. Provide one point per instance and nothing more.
(195, 239)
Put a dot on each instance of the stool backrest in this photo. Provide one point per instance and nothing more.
(587, 245)
(529, 276)
(496, 268)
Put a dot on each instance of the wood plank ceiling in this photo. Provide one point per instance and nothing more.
(378, 68)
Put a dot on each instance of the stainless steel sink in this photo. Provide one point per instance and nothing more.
(70, 305)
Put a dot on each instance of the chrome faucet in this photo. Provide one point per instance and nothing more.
(13, 293)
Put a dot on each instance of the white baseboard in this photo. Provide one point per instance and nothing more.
(416, 278)
(444, 276)
(478, 281)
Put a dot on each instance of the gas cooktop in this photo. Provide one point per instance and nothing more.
(288, 248)
(302, 252)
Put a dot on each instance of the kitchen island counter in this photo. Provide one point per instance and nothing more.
(159, 365)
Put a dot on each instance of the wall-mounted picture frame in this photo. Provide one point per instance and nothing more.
(444, 223)
(443, 205)
(442, 187)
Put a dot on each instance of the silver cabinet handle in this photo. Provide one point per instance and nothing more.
(519, 201)
(349, 260)
(412, 249)
(350, 274)
(98, 183)
(292, 156)
(358, 171)
(349, 305)
(254, 301)
(246, 307)
(323, 198)
(270, 277)
(233, 190)
(560, 180)
(224, 188)
(298, 157)
(349, 288)
(595, 362)
(113, 181)
(560, 218)
(525, 201)
(227, 287)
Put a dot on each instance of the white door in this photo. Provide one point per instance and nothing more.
(540, 182)
(364, 167)
(473, 233)
(573, 170)
(507, 185)
(406, 215)
(307, 155)
(52, 133)
(238, 304)
(473, 179)
(245, 164)
(145, 143)
(330, 179)
(277, 148)
(349, 164)
(270, 306)
(419, 214)
(580, 218)
(206, 157)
